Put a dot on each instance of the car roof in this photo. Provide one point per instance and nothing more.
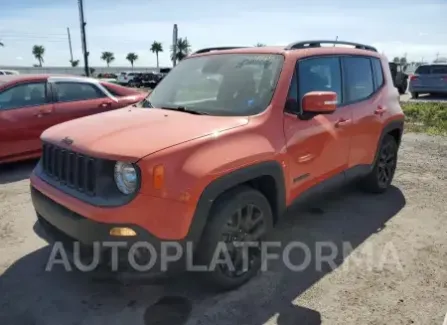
(36, 77)
(297, 49)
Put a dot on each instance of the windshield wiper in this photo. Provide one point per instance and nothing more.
(184, 109)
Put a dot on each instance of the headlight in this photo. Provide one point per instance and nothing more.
(126, 177)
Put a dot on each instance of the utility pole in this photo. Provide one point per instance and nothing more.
(174, 45)
(336, 39)
(69, 44)
(437, 57)
(83, 38)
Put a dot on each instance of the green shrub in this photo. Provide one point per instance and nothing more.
(430, 117)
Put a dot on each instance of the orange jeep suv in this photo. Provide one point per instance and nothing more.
(227, 141)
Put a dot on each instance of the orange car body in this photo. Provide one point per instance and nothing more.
(186, 161)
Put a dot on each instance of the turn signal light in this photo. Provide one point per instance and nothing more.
(158, 177)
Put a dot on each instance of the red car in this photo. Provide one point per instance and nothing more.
(29, 104)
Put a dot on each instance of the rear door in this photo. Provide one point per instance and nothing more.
(74, 99)
(364, 81)
(26, 111)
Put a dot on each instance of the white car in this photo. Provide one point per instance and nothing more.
(8, 72)
(125, 78)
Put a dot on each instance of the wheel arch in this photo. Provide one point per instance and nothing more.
(393, 128)
(267, 177)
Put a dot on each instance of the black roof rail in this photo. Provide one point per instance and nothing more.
(310, 44)
(221, 48)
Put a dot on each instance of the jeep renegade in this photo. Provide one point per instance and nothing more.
(222, 146)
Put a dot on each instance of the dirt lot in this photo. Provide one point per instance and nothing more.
(408, 225)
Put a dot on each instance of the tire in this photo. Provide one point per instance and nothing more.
(381, 176)
(403, 88)
(415, 95)
(223, 211)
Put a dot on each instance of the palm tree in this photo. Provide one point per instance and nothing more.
(108, 57)
(183, 49)
(38, 52)
(74, 63)
(260, 45)
(156, 48)
(131, 57)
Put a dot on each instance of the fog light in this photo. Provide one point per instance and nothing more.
(122, 232)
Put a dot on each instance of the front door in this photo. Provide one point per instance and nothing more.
(25, 112)
(318, 148)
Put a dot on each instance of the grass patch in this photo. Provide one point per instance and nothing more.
(428, 117)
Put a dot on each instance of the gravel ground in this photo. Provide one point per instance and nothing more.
(403, 281)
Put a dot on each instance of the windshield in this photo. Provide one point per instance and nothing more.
(222, 84)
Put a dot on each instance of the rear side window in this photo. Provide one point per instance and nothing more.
(439, 69)
(320, 74)
(359, 80)
(378, 73)
(423, 69)
(73, 91)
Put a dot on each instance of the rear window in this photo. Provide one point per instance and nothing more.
(438, 69)
(423, 69)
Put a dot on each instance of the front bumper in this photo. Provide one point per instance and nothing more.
(78, 236)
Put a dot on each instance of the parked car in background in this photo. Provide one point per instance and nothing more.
(164, 71)
(29, 104)
(125, 78)
(400, 77)
(429, 79)
(151, 79)
(8, 72)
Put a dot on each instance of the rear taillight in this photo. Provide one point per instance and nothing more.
(413, 77)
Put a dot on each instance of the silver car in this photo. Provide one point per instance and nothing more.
(429, 78)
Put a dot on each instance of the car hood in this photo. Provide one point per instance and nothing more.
(131, 133)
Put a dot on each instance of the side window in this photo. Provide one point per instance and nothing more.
(73, 91)
(378, 73)
(320, 74)
(359, 78)
(30, 94)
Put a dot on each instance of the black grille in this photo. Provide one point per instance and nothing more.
(69, 168)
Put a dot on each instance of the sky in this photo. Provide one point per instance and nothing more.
(416, 28)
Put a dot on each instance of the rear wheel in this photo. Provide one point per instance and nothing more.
(239, 218)
(403, 88)
(380, 178)
(414, 95)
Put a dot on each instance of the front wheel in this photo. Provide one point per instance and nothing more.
(239, 222)
(381, 176)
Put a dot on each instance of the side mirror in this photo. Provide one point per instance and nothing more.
(319, 102)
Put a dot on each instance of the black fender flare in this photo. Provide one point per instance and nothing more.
(232, 180)
(391, 126)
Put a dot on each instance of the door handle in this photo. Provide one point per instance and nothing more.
(342, 122)
(105, 105)
(42, 113)
(380, 110)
